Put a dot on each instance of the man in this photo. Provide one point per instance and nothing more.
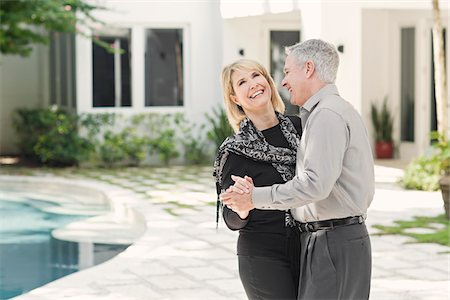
(334, 182)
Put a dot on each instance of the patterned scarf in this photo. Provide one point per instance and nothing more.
(251, 143)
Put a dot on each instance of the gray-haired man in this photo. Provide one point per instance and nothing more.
(334, 184)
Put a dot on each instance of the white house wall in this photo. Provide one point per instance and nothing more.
(376, 63)
(251, 35)
(201, 23)
(381, 69)
(23, 84)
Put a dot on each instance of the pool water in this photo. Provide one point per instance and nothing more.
(29, 256)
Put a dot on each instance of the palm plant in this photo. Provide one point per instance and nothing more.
(382, 122)
(220, 128)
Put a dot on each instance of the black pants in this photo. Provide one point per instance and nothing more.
(335, 264)
(268, 278)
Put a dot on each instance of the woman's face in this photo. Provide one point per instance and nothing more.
(252, 90)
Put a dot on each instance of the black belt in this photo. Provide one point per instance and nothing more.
(328, 224)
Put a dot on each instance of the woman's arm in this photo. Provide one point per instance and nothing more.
(235, 165)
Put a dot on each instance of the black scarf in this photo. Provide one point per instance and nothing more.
(250, 143)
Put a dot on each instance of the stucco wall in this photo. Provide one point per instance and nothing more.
(201, 22)
(23, 83)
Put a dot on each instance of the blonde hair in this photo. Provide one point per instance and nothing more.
(235, 114)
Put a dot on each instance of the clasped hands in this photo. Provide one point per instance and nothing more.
(238, 197)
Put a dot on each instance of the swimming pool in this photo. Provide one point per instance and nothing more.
(29, 255)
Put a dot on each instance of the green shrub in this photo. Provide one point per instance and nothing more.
(220, 128)
(194, 142)
(135, 146)
(424, 172)
(112, 149)
(421, 174)
(50, 136)
(165, 145)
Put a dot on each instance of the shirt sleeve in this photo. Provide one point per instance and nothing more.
(325, 142)
(234, 165)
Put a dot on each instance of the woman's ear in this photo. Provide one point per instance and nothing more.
(234, 99)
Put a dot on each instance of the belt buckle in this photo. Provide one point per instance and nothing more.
(309, 227)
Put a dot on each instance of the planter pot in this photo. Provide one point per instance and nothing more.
(384, 149)
(444, 182)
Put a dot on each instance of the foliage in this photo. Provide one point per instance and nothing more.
(382, 122)
(441, 154)
(50, 136)
(421, 174)
(194, 142)
(115, 140)
(114, 146)
(439, 236)
(112, 149)
(27, 22)
(220, 128)
(424, 172)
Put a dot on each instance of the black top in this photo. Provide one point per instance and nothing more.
(263, 232)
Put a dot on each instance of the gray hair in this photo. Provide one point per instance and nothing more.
(322, 54)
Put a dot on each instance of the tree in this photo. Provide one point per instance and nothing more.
(28, 22)
(439, 72)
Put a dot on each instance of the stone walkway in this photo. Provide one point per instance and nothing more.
(181, 256)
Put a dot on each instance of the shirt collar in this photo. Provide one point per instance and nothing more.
(329, 89)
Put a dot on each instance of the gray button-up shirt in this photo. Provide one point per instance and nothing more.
(335, 173)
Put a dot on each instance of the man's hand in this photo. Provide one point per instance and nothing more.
(239, 196)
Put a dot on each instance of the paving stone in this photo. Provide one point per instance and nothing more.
(173, 282)
(420, 273)
(193, 245)
(380, 272)
(151, 269)
(437, 225)
(208, 272)
(441, 263)
(430, 248)
(419, 230)
(179, 262)
(139, 292)
(232, 286)
(196, 294)
(392, 263)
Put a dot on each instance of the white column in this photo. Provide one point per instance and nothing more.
(83, 75)
(138, 67)
(338, 23)
(85, 255)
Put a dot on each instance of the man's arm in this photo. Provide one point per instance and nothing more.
(325, 141)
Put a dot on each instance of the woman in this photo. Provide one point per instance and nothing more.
(264, 148)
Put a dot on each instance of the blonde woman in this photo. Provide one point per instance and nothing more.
(264, 148)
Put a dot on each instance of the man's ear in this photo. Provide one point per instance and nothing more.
(309, 68)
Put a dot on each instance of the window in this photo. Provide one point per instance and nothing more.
(112, 71)
(164, 67)
(278, 40)
(407, 87)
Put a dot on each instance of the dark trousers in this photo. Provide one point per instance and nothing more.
(335, 264)
(267, 278)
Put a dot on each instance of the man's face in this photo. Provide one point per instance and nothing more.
(295, 81)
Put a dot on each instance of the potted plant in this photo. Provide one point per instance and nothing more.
(441, 157)
(382, 122)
